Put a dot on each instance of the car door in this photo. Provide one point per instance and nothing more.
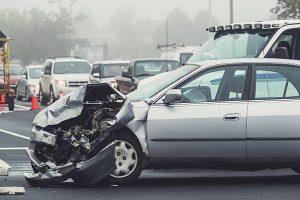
(210, 121)
(273, 128)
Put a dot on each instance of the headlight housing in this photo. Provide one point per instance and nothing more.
(61, 83)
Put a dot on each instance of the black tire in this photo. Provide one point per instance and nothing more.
(52, 98)
(133, 176)
(19, 98)
(27, 98)
(11, 103)
(42, 97)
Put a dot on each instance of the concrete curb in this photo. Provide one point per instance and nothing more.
(4, 168)
(12, 190)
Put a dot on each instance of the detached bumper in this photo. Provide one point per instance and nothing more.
(88, 172)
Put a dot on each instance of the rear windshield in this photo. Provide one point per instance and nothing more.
(153, 67)
(35, 73)
(71, 68)
(112, 70)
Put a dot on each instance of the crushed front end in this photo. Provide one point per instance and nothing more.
(73, 137)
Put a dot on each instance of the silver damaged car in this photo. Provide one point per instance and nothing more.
(233, 114)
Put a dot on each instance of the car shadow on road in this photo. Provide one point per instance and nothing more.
(166, 182)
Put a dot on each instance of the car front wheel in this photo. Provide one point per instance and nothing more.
(128, 154)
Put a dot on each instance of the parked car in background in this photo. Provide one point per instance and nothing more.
(15, 75)
(106, 71)
(28, 84)
(60, 76)
(181, 54)
(141, 69)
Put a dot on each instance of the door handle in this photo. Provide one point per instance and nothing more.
(232, 116)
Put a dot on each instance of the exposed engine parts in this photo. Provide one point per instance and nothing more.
(75, 135)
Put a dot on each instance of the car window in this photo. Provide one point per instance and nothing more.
(48, 69)
(221, 84)
(112, 70)
(154, 67)
(96, 68)
(277, 82)
(35, 73)
(184, 57)
(71, 68)
(285, 40)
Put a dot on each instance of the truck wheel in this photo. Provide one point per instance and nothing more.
(11, 103)
(128, 155)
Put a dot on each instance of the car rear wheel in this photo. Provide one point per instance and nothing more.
(43, 98)
(128, 154)
(52, 98)
(26, 95)
(19, 98)
(11, 103)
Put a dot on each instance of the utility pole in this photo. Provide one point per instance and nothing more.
(231, 11)
(209, 12)
(167, 38)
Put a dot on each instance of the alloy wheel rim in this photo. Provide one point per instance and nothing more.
(126, 159)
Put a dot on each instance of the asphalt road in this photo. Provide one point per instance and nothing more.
(160, 184)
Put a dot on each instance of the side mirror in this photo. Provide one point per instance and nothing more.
(172, 96)
(281, 52)
(96, 75)
(126, 74)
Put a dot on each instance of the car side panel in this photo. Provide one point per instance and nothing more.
(273, 128)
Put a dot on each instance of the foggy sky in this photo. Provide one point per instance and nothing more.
(101, 10)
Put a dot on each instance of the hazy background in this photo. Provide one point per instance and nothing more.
(118, 29)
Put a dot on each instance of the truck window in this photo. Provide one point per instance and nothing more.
(233, 44)
(285, 40)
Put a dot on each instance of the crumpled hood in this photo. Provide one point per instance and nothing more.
(71, 105)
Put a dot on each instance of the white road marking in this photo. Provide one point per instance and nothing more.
(13, 148)
(24, 107)
(15, 134)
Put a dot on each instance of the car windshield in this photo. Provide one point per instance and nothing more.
(35, 73)
(13, 71)
(232, 44)
(71, 68)
(16, 70)
(153, 67)
(157, 84)
(112, 70)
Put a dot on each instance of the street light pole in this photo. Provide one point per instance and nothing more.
(231, 11)
(209, 12)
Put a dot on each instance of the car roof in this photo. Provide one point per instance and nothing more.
(33, 66)
(67, 59)
(112, 62)
(153, 59)
(275, 61)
